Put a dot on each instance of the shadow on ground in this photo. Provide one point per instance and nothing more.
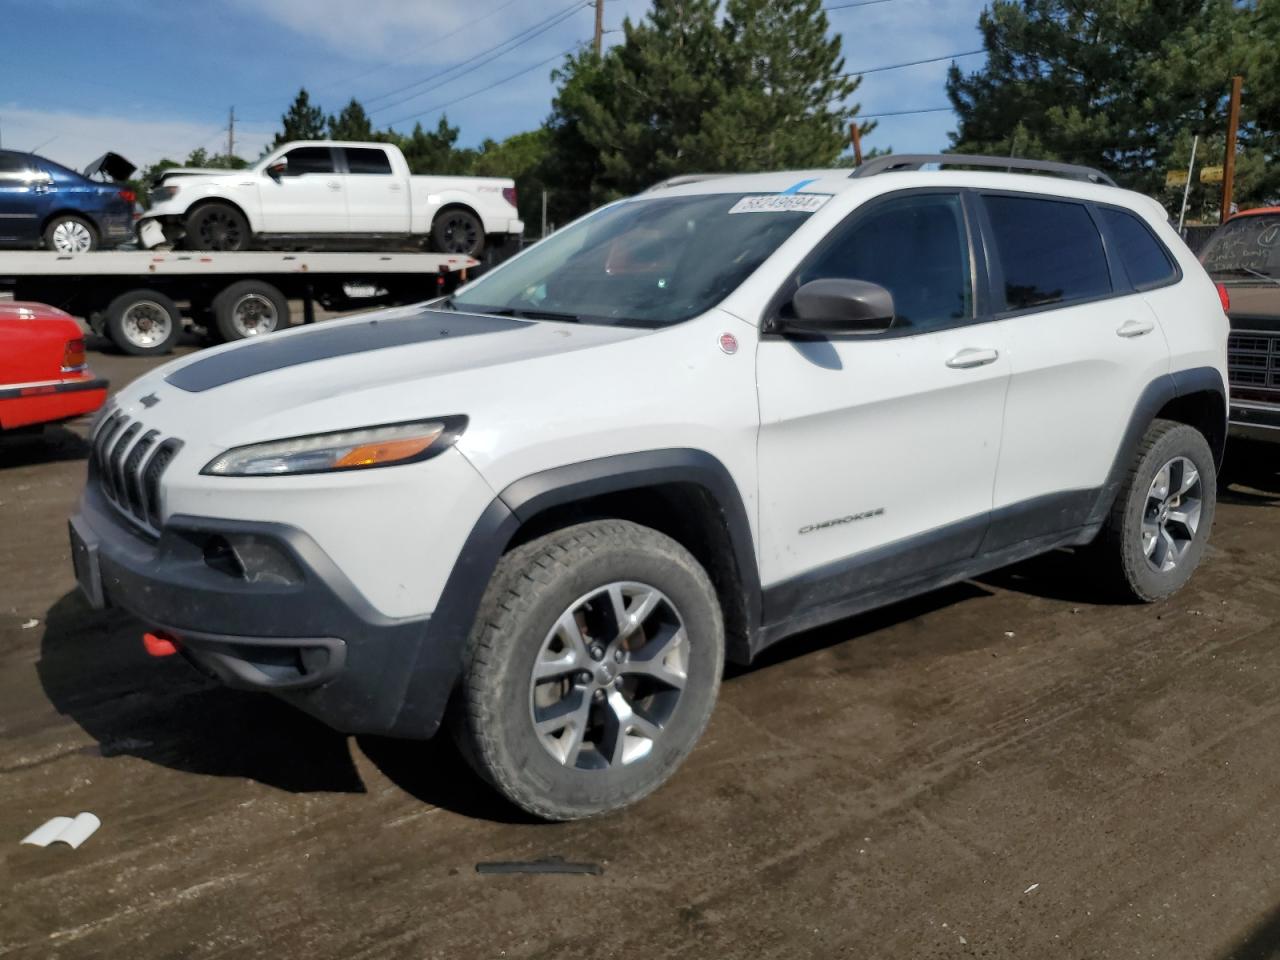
(49, 444)
(1251, 474)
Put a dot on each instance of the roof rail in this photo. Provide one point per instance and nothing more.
(683, 179)
(914, 161)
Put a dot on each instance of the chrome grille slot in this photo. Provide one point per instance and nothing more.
(126, 462)
(1253, 365)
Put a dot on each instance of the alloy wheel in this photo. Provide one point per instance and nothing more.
(609, 676)
(1171, 515)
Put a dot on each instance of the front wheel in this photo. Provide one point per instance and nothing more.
(217, 227)
(1159, 525)
(592, 669)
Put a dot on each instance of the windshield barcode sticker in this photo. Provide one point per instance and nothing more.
(781, 203)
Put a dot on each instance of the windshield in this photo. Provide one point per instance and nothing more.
(1244, 248)
(646, 262)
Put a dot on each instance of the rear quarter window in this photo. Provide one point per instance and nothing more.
(1050, 251)
(1142, 256)
(367, 160)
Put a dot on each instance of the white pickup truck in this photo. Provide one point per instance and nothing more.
(333, 192)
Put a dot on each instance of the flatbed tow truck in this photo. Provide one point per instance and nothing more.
(141, 300)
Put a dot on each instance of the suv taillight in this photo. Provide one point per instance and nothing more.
(1225, 297)
(509, 195)
(73, 356)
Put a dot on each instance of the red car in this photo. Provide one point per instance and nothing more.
(43, 374)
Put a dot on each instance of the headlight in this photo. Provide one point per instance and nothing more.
(384, 446)
(161, 194)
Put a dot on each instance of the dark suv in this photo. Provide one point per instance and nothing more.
(1243, 256)
(43, 203)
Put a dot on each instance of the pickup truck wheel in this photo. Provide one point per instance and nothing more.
(216, 226)
(249, 308)
(1160, 522)
(143, 322)
(458, 231)
(70, 234)
(591, 670)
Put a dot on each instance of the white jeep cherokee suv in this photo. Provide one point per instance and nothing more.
(677, 431)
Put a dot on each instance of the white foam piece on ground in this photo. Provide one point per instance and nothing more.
(68, 830)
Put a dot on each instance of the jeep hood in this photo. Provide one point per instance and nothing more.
(379, 367)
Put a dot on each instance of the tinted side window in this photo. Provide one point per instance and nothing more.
(1050, 251)
(309, 160)
(367, 160)
(14, 166)
(1144, 258)
(915, 247)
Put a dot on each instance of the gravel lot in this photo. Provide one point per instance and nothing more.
(1005, 768)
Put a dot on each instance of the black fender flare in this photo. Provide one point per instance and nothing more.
(1157, 394)
(440, 653)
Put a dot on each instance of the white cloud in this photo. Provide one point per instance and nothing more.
(76, 139)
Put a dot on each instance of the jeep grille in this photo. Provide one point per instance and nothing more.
(126, 462)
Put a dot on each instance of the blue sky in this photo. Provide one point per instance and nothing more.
(156, 78)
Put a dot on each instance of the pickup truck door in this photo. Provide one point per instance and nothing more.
(377, 197)
(24, 198)
(308, 198)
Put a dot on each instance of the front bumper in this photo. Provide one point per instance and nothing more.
(1255, 422)
(290, 623)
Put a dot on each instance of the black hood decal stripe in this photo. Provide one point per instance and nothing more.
(323, 343)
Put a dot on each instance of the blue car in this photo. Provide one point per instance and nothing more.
(42, 203)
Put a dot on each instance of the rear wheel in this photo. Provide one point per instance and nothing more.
(66, 233)
(1160, 522)
(456, 230)
(592, 669)
(143, 322)
(216, 226)
(249, 308)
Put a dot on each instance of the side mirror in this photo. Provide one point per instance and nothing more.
(837, 305)
(278, 168)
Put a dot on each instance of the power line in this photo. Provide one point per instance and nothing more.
(901, 113)
(474, 93)
(859, 3)
(510, 44)
(912, 63)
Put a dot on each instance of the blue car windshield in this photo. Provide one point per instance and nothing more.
(646, 262)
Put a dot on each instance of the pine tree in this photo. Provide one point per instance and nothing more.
(302, 121)
(351, 124)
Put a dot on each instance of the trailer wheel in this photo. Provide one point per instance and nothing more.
(249, 308)
(143, 322)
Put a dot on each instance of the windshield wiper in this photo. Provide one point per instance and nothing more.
(1243, 270)
(1259, 273)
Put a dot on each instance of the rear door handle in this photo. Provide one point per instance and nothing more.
(973, 357)
(334, 185)
(1135, 328)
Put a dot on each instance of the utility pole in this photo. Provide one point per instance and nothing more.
(1186, 190)
(231, 135)
(1229, 164)
(599, 5)
(855, 137)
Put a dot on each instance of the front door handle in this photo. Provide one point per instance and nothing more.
(973, 357)
(333, 185)
(1135, 328)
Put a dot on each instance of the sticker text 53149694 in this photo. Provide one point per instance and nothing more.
(781, 203)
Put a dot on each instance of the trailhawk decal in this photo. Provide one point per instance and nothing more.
(781, 203)
(321, 343)
(851, 518)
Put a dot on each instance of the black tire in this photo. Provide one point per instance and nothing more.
(1126, 563)
(533, 586)
(77, 226)
(144, 323)
(457, 230)
(217, 227)
(248, 308)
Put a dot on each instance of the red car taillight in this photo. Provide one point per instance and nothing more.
(73, 356)
(509, 195)
(1225, 297)
(129, 197)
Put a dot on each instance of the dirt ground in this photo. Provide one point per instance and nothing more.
(1006, 768)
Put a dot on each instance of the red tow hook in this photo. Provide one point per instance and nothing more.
(159, 644)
